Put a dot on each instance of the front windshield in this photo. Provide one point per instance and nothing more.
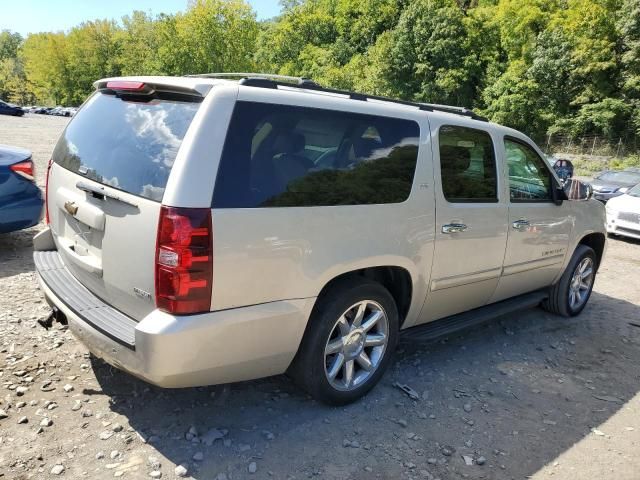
(635, 191)
(620, 177)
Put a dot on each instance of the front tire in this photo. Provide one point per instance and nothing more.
(349, 342)
(570, 295)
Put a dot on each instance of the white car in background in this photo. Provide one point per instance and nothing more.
(623, 214)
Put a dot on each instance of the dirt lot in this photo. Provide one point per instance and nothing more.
(526, 396)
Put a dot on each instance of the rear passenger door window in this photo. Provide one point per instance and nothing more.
(467, 165)
(289, 156)
(529, 176)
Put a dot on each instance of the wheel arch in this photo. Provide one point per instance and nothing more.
(596, 241)
(394, 278)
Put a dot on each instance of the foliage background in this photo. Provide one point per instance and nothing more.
(569, 68)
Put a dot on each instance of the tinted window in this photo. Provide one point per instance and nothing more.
(529, 177)
(284, 156)
(127, 145)
(467, 165)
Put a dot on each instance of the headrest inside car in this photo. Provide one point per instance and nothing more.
(454, 159)
(289, 143)
(364, 147)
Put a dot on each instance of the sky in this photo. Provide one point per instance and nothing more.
(28, 16)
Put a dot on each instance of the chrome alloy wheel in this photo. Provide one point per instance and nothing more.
(356, 345)
(581, 283)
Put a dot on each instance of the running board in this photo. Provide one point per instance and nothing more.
(445, 326)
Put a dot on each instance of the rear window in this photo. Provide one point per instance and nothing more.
(286, 156)
(127, 145)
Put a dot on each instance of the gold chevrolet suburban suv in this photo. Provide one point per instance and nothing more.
(220, 228)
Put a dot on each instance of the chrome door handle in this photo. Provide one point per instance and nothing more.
(521, 224)
(454, 228)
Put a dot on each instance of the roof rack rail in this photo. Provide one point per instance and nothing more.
(267, 80)
(457, 110)
(430, 107)
(265, 76)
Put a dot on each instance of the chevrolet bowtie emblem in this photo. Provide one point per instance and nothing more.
(71, 207)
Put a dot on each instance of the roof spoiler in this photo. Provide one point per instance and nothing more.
(149, 86)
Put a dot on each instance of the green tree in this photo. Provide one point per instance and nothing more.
(514, 100)
(211, 36)
(429, 55)
(290, 4)
(611, 118)
(629, 30)
(552, 69)
(12, 77)
(281, 43)
(520, 22)
(9, 44)
(139, 44)
(319, 38)
(45, 64)
(543, 66)
(590, 28)
(13, 84)
(360, 22)
(92, 52)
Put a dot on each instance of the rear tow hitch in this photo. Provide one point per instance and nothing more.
(55, 316)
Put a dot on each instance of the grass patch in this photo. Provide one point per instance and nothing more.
(588, 166)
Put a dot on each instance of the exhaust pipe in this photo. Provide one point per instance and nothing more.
(55, 316)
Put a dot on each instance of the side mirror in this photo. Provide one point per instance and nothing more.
(577, 190)
(559, 195)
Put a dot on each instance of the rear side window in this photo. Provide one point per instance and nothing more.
(286, 156)
(467, 165)
(127, 145)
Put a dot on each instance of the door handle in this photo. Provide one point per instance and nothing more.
(521, 224)
(454, 228)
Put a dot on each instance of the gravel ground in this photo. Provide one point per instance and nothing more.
(526, 396)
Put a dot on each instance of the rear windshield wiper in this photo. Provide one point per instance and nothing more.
(102, 193)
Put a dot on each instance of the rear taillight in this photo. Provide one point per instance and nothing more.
(46, 194)
(24, 169)
(184, 260)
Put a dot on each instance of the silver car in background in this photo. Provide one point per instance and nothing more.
(614, 183)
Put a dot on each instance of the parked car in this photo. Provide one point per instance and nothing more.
(42, 110)
(20, 199)
(614, 183)
(206, 230)
(61, 112)
(564, 169)
(623, 214)
(10, 109)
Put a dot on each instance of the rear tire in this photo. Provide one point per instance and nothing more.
(349, 342)
(570, 295)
